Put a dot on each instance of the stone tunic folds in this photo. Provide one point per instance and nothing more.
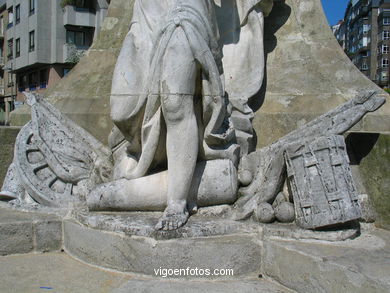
(226, 40)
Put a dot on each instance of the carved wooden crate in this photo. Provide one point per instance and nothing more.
(321, 182)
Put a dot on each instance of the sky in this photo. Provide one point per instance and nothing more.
(334, 9)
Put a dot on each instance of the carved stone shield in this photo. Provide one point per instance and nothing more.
(321, 183)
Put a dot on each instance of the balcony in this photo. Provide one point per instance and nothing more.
(78, 17)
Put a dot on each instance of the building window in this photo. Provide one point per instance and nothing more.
(31, 6)
(43, 78)
(386, 20)
(364, 66)
(10, 53)
(10, 17)
(17, 14)
(76, 37)
(385, 63)
(385, 49)
(17, 45)
(385, 35)
(83, 4)
(32, 81)
(31, 42)
(22, 82)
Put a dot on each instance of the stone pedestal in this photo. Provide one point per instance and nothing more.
(307, 74)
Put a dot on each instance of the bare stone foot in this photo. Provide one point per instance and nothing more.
(173, 218)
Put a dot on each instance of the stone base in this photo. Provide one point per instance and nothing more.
(29, 232)
(128, 243)
(137, 248)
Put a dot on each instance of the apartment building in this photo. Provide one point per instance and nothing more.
(44, 39)
(364, 35)
(7, 79)
(339, 32)
(382, 75)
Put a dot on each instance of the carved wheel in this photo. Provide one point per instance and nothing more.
(42, 184)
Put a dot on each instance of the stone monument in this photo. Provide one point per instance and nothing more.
(184, 92)
(179, 103)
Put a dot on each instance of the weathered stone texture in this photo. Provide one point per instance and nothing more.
(28, 232)
(307, 73)
(137, 254)
(7, 140)
(374, 156)
(359, 265)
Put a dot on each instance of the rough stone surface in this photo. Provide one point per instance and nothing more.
(142, 224)
(358, 265)
(284, 212)
(27, 232)
(48, 235)
(143, 254)
(373, 155)
(57, 272)
(7, 140)
(157, 286)
(16, 238)
(264, 213)
(54, 272)
(300, 51)
(292, 231)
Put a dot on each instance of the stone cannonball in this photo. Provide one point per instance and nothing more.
(284, 212)
(264, 213)
(245, 177)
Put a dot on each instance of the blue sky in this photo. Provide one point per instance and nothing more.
(334, 9)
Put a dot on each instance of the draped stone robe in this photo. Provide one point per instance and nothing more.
(226, 40)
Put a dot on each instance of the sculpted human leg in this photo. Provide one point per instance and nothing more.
(177, 93)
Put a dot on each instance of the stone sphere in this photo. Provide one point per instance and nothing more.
(245, 177)
(264, 213)
(285, 212)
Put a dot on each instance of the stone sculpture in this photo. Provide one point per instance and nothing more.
(323, 189)
(56, 162)
(183, 136)
(170, 92)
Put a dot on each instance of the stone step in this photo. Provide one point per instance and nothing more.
(57, 272)
(240, 252)
(358, 265)
(22, 232)
(361, 264)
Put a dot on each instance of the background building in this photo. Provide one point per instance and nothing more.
(7, 79)
(42, 41)
(364, 35)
